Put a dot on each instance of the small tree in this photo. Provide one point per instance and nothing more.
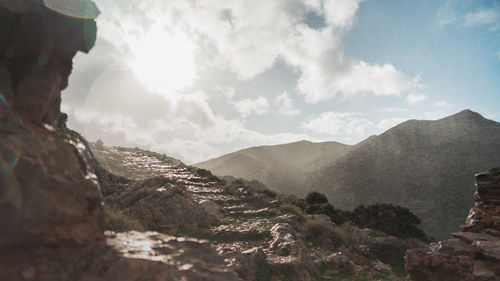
(316, 198)
(393, 220)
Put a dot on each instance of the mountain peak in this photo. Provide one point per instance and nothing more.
(466, 114)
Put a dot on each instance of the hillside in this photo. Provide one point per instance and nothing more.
(262, 235)
(426, 166)
(283, 168)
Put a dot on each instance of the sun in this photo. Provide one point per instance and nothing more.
(164, 60)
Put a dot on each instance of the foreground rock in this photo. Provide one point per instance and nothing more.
(474, 252)
(51, 211)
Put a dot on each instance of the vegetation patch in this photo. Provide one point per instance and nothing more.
(393, 220)
(316, 233)
(118, 222)
(316, 198)
(291, 209)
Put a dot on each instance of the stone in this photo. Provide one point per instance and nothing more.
(156, 202)
(474, 252)
(250, 264)
(59, 201)
(292, 259)
(212, 209)
(51, 207)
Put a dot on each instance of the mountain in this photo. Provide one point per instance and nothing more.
(426, 166)
(283, 168)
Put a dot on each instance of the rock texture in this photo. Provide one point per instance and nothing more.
(51, 208)
(49, 193)
(474, 252)
(261, 236)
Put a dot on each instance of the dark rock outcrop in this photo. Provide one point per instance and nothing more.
(474, 252)
(49, 193)
(51, 212)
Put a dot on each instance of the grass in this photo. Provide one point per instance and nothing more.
(116, 221)
(399, 270)
(291, 209)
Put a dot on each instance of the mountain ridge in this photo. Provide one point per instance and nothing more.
(398, 164)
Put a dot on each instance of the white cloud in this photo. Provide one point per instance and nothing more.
(228, 92)
(415, 98)
(189, 130)
(246, 107)
(151, 47)
(340, 13)
(443, 104)
(481, 17)
(327, 73)
(283, 104)
(247, 37)
(339, 125)
(389, 123)
(395, 109)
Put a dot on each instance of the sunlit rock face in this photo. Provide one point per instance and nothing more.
(474, 252)
(48, 191)
(50, 205)
(51, 210)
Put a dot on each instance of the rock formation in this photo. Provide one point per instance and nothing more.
(261, 235)
(51, 213)
(473, 254)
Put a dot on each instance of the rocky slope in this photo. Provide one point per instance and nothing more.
(474, 252)
(426, 166)
(283, 168)
(261, 235)
(51, 212)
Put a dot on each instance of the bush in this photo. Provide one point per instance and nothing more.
(316, 198)
(393, 220)
(116, 221)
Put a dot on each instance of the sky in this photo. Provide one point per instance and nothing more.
(196, 79)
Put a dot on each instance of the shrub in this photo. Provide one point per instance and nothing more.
(393, 220)
(204, 173)
(316, 198)
(116, 221)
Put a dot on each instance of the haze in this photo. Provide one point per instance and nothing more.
(198, 79)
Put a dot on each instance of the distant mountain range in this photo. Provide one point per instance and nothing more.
(426, 166)
(283, 168)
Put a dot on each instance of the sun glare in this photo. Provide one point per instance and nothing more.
(164, 60)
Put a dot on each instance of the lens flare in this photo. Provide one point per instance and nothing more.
(83, 9)
(10, 192)
(3, 101)
(13, 161)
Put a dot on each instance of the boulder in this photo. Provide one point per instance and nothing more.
(251, 265)
(291, 260)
